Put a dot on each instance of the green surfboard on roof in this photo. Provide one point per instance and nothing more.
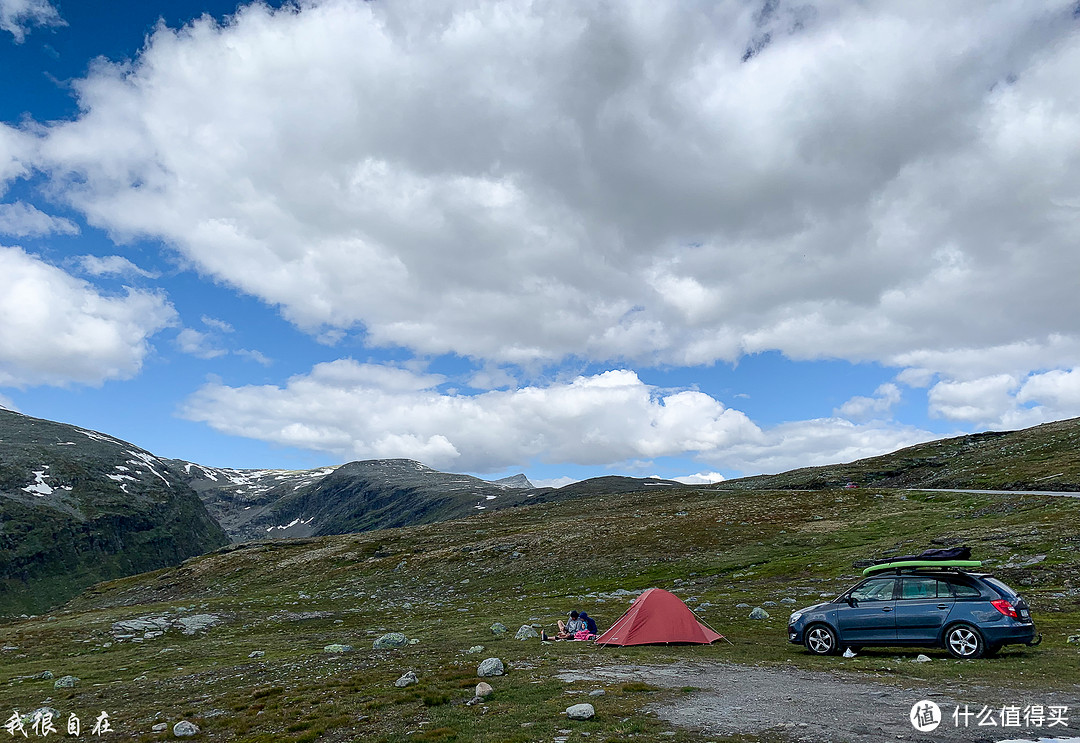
(965, 564)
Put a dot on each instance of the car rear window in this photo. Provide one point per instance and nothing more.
(963, 590)
(1001, 586)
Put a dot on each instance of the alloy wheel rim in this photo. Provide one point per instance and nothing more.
(820, 640)
(963, 641)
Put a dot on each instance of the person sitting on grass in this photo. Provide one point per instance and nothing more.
(567, 630)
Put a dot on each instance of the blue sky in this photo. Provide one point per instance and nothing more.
(694, 241)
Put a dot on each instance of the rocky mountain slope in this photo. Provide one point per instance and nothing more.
(358, 496)
(366, 495)
(78, 507)
(1045, 457)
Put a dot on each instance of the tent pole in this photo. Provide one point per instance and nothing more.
(729, 642)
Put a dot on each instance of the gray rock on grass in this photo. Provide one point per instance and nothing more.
(759, 613)
(526, 632)
(65, 682)
(184, 729)
(390, 641)
(337, 648)
(499, 629)
(580, 712)
(484, 690)
(490, 667)
(475, 649)
(407, 679)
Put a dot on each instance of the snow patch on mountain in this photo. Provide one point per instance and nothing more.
(39, 487)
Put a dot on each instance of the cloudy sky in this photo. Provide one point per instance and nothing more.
(565, 238)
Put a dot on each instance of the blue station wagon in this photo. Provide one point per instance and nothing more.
(971, 615)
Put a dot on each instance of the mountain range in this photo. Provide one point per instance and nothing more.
(78, 506)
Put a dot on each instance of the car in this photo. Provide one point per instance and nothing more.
(971, 615)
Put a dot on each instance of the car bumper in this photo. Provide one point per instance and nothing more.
(794, 634)
(1013, 634)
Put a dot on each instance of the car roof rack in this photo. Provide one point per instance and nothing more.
(901, 565)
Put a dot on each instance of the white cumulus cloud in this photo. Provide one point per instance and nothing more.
(362, 411)
(56, 329)
(860, 408)
(112, 265)
(18, 16)
(25, 220)
(654, 182)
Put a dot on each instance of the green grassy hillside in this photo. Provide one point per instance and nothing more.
(1045, 457)
(444, 584)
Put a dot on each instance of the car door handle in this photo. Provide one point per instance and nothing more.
(886, 608)
(943, 606)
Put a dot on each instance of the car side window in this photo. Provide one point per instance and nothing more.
(963, 590)
(920, 588)
(880, 589)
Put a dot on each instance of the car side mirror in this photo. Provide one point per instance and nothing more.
(851, 601)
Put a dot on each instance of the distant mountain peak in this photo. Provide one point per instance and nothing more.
(515, 481)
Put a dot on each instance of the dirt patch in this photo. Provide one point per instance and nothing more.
(831, 707)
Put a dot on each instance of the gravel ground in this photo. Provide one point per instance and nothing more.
(821, 706)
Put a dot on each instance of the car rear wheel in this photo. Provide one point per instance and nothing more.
(820, 640)
(964, 641)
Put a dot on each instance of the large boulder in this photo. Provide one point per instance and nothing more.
(390, 641)
(490, 667)
(580, 712)
(184, 729)
(759, 613)
(499, 629)
(407, 679)
(526, 632)
(484, 690)
(65, 682)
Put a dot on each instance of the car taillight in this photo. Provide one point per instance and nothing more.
(1005, 608)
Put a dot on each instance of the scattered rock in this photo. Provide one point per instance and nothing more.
(580, 712)
(475, 649)
(499, 629)
(526, 632)
(184, 729)
(389, 641)
(407, 679)
(759, 613)
(920, 658)
(597, 693)
(474, 701)
(1073, 639)
(490, 667)
(849, 653)
(65, 682)
(160, 727)
(787, 600)
(337, 648)
(768, 603)
(256, 653)
(413, 641)
(484, 690)
(742, 606)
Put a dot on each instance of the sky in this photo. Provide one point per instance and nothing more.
(687, 240)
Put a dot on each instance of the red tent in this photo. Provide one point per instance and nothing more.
(658, 616)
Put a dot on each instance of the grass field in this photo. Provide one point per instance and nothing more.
(445, 584)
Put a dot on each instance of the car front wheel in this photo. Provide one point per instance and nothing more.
(964, 641)
(820, 640)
